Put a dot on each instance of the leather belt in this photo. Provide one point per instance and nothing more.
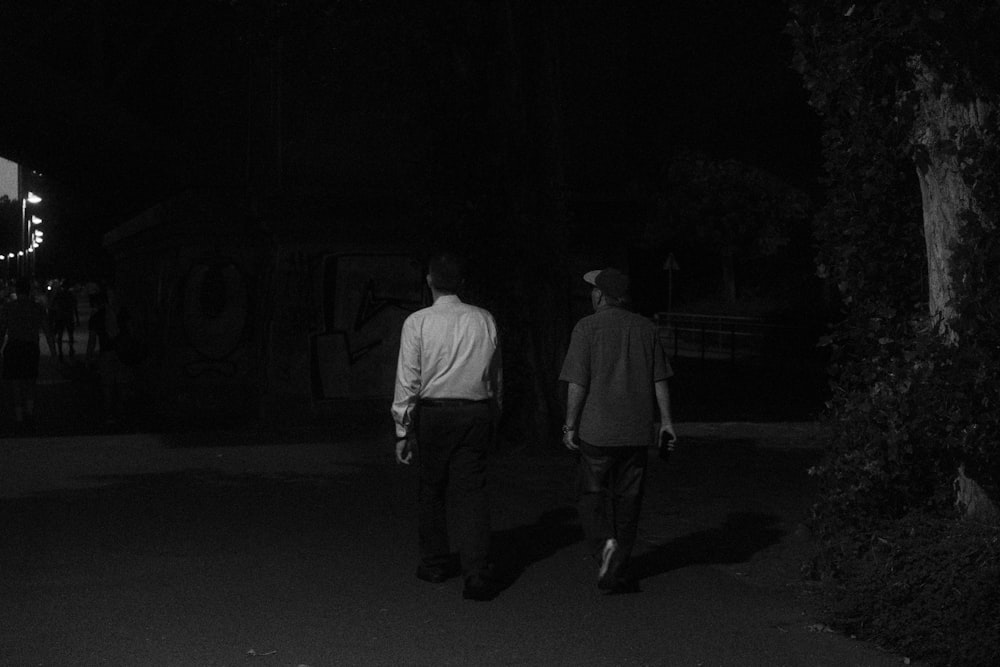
(450, 402)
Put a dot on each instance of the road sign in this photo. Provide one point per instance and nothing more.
(670, 266)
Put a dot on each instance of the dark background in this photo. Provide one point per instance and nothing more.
(120, 103)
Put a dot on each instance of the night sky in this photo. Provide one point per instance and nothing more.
(121, 107)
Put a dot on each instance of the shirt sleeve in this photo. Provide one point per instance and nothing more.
(576, 365)
(496, 366)
(407, 377)
(661, 366)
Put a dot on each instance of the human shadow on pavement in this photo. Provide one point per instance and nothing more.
(740, 536)
(516, 549)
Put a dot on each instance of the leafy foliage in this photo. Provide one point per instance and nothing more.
(730, 206)
(901, 405)
(903, 418)
(727, 210)
(943, 574)
(909, 402)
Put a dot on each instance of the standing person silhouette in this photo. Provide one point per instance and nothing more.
(447, 374)
(64, 315)
(22, 320)
(109, 327)
(616, 371)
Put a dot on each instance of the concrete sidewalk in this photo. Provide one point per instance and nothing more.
(37, 464)
(148, 550)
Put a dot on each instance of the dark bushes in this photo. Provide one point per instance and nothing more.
(928, 586)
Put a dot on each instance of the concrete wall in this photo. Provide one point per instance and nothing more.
(335, 317)
(239, 324)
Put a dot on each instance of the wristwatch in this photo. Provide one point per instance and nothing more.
(567, 429)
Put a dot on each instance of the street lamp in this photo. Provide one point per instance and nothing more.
(35, 238)
(36, 241)
(31, 198)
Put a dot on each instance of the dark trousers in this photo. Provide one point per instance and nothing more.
(612, 480)
(452, 448)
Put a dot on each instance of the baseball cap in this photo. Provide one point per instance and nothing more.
(611, 281)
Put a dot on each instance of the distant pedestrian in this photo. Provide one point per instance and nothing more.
(109, 332)
(616, 371)
(447, 375)
(92, 290)
(64, 316)
(22, 321)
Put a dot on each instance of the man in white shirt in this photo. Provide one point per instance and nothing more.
(446, 378)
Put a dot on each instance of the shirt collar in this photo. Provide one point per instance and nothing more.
(447, 298)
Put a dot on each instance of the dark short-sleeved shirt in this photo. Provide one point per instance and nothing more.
(23, 319)
(617, 356)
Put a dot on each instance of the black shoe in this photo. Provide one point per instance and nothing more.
(623, 586)
(436, 575)
(482, 588)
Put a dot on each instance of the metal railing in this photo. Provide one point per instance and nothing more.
(721, 337)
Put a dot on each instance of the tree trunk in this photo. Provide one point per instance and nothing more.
(729, 277)
(944, 125)
(553, 300)
(264, 125)
(972, 501)
(531, 186)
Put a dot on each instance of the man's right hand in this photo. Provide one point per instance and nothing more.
(668, 437)
(569, 440)
(405, 448)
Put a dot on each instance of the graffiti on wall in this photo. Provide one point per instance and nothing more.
(215, 306)
(290, 322)
(365, 298)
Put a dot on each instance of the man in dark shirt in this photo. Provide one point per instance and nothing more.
(616, 371)
(21, 322)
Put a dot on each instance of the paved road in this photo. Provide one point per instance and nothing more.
(229, 549)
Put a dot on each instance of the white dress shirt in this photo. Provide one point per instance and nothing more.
(448, 350)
